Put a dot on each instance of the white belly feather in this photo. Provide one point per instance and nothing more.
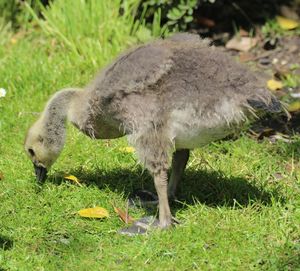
(191, 129)
(198, 137)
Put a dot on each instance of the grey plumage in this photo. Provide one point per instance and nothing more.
(167, 95)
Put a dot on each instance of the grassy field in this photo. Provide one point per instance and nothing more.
(239, 199)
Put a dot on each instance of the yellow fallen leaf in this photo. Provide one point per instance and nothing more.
(294, 106)
(274, 84)
(127, 149)
(96, 212)
(286, 24)
(73, 179)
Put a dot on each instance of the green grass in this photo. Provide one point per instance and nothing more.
(235, 213)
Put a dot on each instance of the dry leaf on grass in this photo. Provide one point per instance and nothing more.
(243, 44)
(127, 149)
(96, 212)
(206, 22)
(246, 56)
(73, 179)
(286, 24)
(274, 84)
(1, 176)
(124, 216)
(270, 134)
(243, 33)
(267, 132)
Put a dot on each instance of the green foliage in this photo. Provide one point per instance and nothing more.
(175, 15)
(291, 80)
(272, 29)
(5, 32)
(13, 11)
(92, 30)
(10, 10)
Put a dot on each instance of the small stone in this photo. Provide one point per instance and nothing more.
(265, 61)
(64, 241)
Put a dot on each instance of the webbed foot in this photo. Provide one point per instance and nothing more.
(141, 226)
(145, 225)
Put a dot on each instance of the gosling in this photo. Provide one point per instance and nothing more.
(168, 97)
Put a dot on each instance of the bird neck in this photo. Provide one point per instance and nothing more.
(55, 115)
(57, 108)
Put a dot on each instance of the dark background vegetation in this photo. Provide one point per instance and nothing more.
(178, 14)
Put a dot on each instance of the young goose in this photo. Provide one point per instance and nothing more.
(167, 96)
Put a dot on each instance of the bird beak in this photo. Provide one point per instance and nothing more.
(41, 173)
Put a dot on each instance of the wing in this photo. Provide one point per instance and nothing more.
(138, 69)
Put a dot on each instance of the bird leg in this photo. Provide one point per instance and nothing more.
(161, 185)
(153, 150)
(144, 224)
(179, 161)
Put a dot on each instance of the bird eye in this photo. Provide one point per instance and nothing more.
(31, 152)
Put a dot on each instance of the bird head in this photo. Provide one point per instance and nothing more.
(43, 146)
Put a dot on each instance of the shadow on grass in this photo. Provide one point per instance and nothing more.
(279, 124)
(5, 243)
(210, 188)
(214, 189)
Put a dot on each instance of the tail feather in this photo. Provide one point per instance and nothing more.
(271, 106)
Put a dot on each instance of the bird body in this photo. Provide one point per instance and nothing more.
(167, 96)
(184, 85)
